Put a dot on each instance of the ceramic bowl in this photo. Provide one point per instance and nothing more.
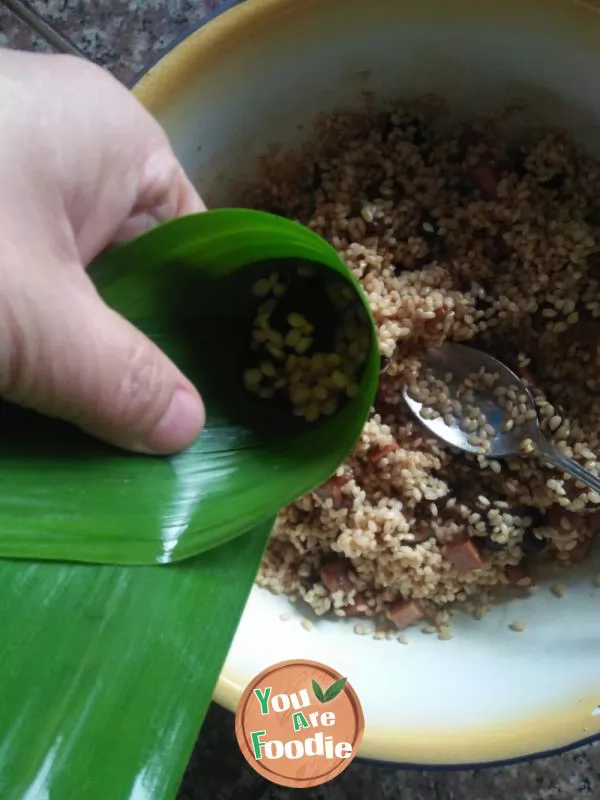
(257, 75)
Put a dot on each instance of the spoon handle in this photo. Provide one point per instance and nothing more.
(566, 464)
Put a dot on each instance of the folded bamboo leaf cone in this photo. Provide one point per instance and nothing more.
(270, 325)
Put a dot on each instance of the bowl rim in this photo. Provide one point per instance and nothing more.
(134, 83)
(155, 84)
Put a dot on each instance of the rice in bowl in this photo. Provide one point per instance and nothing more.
(462, 237)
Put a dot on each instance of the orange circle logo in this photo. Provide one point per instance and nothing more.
(299, 724)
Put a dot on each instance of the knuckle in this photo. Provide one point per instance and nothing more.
(12, 350)
(139, 396)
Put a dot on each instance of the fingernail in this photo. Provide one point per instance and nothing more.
(179, 426)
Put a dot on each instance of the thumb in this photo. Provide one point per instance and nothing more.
(70, 356)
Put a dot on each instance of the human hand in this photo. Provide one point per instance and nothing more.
(83, 165)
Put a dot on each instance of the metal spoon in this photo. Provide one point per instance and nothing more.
(452, 364)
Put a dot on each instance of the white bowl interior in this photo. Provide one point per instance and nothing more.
(257, 77)
(308, 57)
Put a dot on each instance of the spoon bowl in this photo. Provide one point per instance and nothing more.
(456, 363)
(476, 404)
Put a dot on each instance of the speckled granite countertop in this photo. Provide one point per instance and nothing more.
(123, 35)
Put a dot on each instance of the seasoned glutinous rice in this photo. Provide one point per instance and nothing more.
(471, 238)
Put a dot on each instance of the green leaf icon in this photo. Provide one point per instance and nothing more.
(334, 690)
(318, 692)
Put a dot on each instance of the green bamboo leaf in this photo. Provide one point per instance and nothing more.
(187, 284)
(335, 688)
(318, 691)
(107, 672)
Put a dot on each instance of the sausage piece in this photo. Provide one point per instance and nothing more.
(483, 177)
(581, 551)
(405, 612)
(379, 453)
(335, 576)
(518, 575)
(357, 608)
(464, 555)
(332, 488)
